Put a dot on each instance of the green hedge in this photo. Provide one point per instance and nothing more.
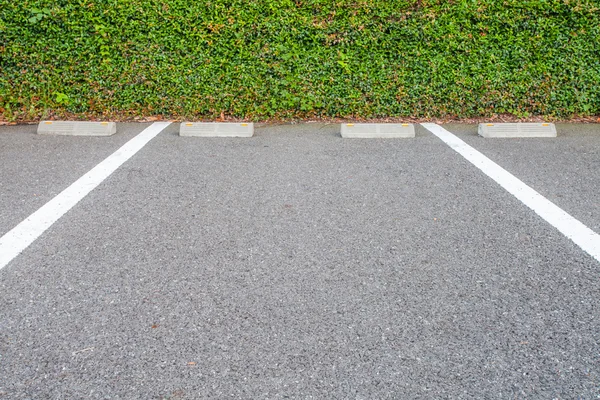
(299, 59)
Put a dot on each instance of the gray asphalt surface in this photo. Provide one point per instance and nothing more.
(35, 168)
(296, 264)
(565, 170)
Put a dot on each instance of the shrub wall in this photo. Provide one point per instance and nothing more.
(299, 59)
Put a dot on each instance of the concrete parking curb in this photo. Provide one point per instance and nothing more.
(77, 128)
(517, 130)
(382, 131)
(217, 129)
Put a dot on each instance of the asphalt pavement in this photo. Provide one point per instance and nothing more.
(35, 168)
(297, 264)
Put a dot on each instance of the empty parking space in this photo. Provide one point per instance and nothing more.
(565, 169)
(35, 168)
(297, 264)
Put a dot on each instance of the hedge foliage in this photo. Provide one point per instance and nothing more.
(262, 59)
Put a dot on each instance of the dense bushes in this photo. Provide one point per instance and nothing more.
(260, 59)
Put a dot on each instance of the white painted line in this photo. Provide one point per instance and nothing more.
(580, 234)
(21, 236)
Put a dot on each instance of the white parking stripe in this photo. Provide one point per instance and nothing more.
(21, 236)
(583, 236)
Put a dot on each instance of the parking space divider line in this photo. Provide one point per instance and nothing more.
(21, 236)
(581, 235)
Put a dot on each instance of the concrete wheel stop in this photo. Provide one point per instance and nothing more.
(517, 130)
(217, 129)
(377, 131)
(77, 128)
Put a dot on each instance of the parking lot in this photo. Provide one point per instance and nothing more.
(297, 264)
